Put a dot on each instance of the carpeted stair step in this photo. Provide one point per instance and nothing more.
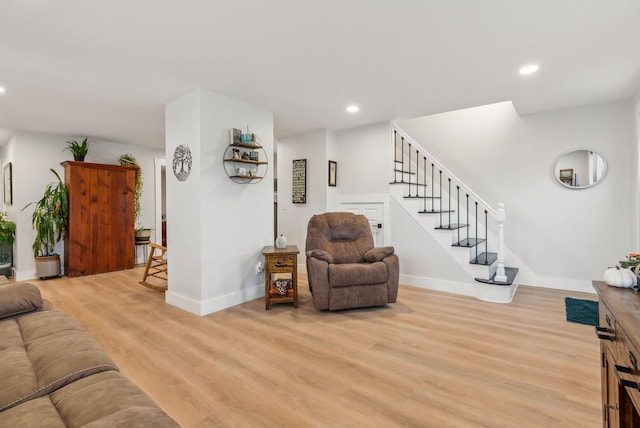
(510, 272)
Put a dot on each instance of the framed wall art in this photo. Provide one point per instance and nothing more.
(8, 184)
(333, 173)
(299, 182)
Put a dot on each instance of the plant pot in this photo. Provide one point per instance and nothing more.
(78, 158)
(143, 235)
(48, 266)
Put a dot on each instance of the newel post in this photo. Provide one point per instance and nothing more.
(500, 218)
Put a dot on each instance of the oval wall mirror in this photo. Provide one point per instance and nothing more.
(580, 169)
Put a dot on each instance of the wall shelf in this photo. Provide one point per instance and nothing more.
(245, 163)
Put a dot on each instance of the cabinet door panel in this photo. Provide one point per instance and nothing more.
(101, 232)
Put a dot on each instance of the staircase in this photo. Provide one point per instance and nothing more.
(469, 229)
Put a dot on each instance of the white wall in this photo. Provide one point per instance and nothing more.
(363, 156)
(32, 155)
(216, 228)
(566, 236)
(635, 228)
(293, 218)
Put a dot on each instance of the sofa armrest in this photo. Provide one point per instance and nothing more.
(378, 254)
(19, 298)
(320, 254)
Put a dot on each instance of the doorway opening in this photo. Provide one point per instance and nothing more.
(160, 237)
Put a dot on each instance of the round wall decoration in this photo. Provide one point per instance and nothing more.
(182, 162)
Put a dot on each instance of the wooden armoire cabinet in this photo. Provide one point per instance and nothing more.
(100, 237)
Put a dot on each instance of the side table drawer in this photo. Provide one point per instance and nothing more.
(280, 262)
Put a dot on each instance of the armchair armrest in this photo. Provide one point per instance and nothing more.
(320, 254)
(378, 253)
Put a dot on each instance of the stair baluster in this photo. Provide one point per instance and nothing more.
(395, 156)
(424, 180)
(402, 160)
(467, 217)
(417, 175)
(432, 189)
(440, 199)
(449, 206)
(486, 239)
(458, 206)
(409, 169)
(476, 246)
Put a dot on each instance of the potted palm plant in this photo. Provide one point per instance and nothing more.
(78, 149)
(50, 220)
(7, 237)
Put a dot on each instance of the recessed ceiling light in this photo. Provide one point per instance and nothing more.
(529, 69)
(353, 109)
(2, 90)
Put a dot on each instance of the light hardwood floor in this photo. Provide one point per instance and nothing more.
(430, 360)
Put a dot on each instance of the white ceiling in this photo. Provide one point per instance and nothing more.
(105, 68)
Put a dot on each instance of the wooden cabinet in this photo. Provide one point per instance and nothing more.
(100, 236)
(619, 343)
(280, 275)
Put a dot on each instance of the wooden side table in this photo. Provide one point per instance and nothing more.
(281, 264)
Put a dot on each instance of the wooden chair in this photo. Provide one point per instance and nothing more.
(156, 268)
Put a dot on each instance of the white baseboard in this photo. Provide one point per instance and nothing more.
(183, 302)
(467, 289)
(24, 275)
(568, 284)
(214, 304)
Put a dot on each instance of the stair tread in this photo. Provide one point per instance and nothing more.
(435, 211)
(470, 242)
(404, 172)
(510, 272)
(485, 259)
(452, 226)
(421, 197)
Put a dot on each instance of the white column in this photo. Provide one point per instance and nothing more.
(500, 218)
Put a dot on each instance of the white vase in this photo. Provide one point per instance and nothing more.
(281, 242)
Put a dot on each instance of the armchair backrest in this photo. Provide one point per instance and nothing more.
(344, 235)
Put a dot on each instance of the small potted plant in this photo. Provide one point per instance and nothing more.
(7, 237)
(79, 149)
(50, 219)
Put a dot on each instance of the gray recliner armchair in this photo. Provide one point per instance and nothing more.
(344, 268)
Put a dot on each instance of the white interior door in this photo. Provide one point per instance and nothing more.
(374, 212)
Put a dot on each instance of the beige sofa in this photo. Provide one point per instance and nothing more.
(55, 375)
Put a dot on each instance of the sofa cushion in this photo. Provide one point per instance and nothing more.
(44, 351)
(106, 399)
(39, 412)
(19, 298)
(347, 274)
